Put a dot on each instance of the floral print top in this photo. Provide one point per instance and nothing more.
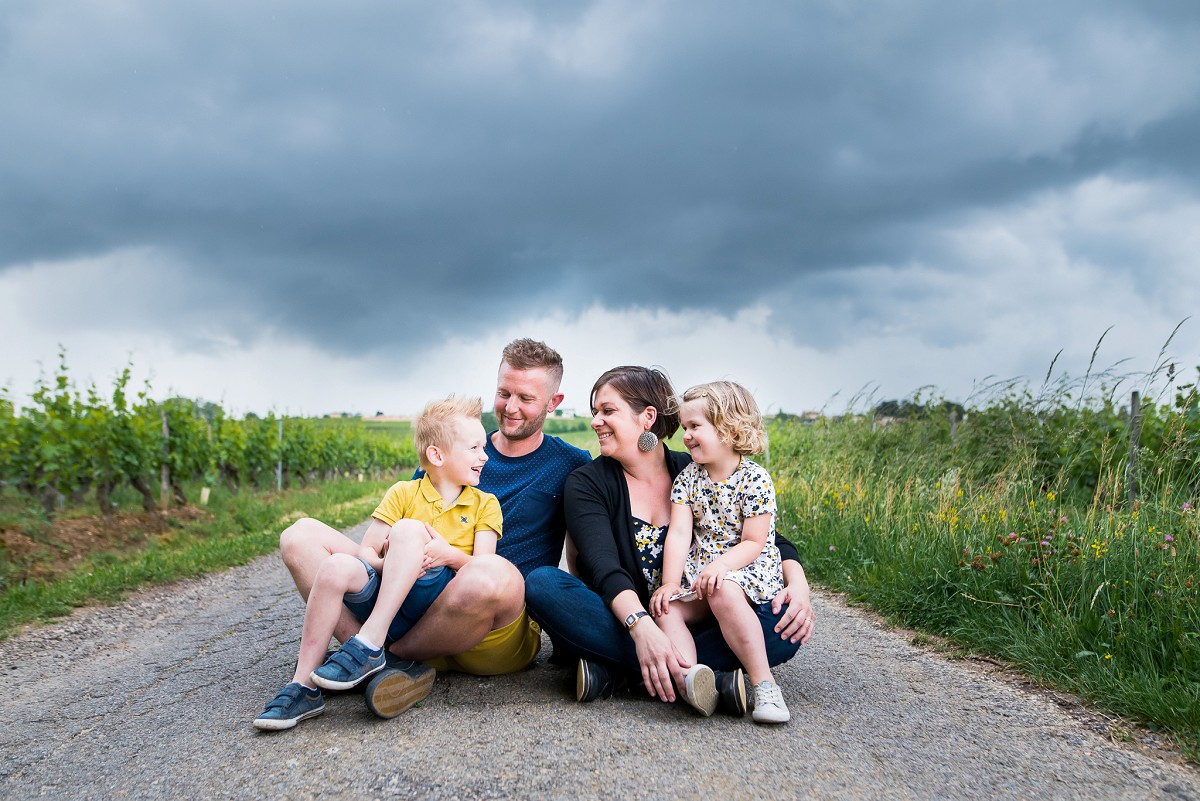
(718, 509)
(649, 541)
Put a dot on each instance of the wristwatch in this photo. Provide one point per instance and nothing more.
(633, 619)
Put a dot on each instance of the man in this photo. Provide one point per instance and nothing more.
(478, 624)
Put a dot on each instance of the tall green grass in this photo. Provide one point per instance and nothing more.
(1016, 538)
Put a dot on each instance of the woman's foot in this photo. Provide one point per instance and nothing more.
(731, 692)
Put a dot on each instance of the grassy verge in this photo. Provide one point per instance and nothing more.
(1077, 589)
(234, 529)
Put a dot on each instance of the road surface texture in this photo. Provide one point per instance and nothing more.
(154, 698)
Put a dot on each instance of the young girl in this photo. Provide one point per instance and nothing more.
(732, 561)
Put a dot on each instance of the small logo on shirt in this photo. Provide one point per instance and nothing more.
(462, 518)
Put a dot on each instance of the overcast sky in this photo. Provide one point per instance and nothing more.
(310, 207)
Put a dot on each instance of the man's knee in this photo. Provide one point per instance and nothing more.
(488, 582)
(298, 538)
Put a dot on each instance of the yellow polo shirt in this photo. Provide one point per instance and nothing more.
(474, 511)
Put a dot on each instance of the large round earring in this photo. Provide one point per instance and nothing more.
(647, 441)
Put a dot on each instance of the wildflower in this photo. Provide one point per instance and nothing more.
(1187, 507)
(1108, 656)
(1158, 593)
(1049, 496)
(1168, 538)
(1062, 519)
(832, 548)
(1003, 515)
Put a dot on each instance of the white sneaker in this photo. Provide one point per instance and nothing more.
(768, 704)
(700, 689)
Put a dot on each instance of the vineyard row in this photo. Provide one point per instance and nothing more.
(67, 444)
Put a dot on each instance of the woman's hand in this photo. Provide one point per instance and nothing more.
(662, 664)
(660, 601)
(796, 624)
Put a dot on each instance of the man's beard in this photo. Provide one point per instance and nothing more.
(526, 430)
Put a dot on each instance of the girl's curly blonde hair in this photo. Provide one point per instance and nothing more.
(734, 414)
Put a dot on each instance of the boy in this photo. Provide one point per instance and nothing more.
(422, 532)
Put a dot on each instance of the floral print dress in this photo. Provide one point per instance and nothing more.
(718, 509)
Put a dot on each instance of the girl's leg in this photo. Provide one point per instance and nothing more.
(338, 574)
(675, 625)
(401, 566)
(577, 621)
(712, 650)
(742, 630)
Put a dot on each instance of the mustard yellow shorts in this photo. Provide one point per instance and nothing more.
(504, 650)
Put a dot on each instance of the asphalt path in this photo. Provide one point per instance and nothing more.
(153, 699)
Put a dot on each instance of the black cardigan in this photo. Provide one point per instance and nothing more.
(599, 520)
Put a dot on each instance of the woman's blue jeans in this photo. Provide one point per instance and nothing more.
(582, 627)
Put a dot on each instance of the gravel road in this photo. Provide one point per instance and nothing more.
(153, 699)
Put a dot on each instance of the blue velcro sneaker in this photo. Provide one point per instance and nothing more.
(348, 666)
(292, 704)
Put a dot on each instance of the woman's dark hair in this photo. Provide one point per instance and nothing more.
(642, 387)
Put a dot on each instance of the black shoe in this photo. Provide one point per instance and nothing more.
(398, 686)
(731, 692)
(594, 681)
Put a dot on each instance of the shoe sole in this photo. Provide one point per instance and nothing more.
(771, 718)
(272, 724)
(330, 684)
(395, 690)
(700, 690)
(581, 682)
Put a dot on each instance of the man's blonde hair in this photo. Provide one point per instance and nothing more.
(435, 426)
(734, 414)
(526, 354)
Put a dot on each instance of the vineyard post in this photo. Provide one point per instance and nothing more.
(279, 464)
(1135, 436)
(164, 495)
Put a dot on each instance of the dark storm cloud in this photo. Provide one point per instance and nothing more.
(340, 173)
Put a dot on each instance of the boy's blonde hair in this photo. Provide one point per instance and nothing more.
(734, 414)
(435, 426)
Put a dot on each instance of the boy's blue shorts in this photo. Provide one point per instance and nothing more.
(416, 604)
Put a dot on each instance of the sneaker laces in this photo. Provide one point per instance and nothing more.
(768, 694)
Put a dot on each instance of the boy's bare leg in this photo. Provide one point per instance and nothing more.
(337, 575)
(304, 545)
(487, 594)
(401, 567)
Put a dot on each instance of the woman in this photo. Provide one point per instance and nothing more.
(617, 509)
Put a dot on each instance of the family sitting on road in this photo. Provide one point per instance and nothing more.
(677, 578)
